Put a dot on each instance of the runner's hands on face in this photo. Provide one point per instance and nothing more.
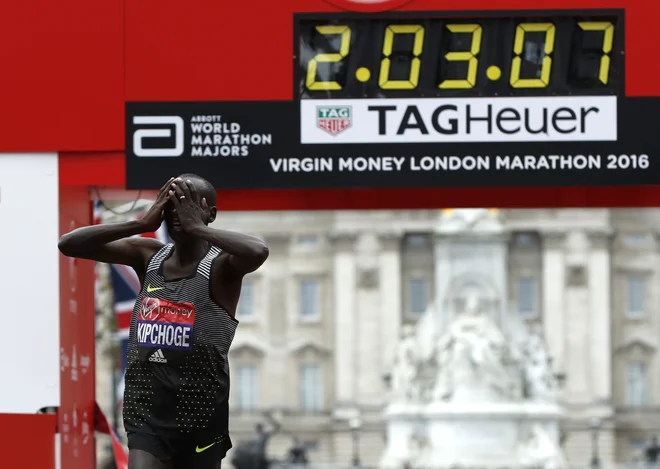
(191, 211)
(154, 217)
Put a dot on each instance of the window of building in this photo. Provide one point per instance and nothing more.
(636, 239)
(637, 445)
(637, 391)
(247, 387)
(526, 296)
(636, 296)
(416, 240)
(311, 387)
(245, 307)
(309, 299)
(307, 240)
(418, 295)
(525, 239)
(311, 445)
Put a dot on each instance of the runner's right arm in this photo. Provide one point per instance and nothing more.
(113, 243)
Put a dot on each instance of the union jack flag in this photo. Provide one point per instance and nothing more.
(125, 288)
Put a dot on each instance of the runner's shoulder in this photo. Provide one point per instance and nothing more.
(145, 243)
(147, 247)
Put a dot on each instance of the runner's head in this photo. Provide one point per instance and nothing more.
(205, 190)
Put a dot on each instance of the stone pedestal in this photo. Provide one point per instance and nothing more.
(486, 435)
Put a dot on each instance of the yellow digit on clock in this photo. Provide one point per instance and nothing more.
(312, 65)
(608, 42)
(518, 46)
(465, 56)
(415, 64)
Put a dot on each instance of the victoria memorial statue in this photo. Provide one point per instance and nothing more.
(471, 384)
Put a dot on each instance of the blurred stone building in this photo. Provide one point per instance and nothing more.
(321, 319)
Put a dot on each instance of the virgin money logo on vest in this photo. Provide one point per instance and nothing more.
(154, 308)
(165, 324)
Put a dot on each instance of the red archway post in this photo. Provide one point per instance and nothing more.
(28, 440)
(77, 340)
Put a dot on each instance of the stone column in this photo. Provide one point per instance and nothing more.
(444, 273)
(344, 280)
(390, 290)
(273, 322)
(577, 333)
(368, 348)
(600, 286)
(554, 307)
(273, 312)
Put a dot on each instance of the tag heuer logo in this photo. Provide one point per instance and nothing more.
(334, 119)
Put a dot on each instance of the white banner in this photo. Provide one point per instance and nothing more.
(30, 279)
(429, 120)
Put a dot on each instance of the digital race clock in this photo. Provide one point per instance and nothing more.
(423, 55)
(416, 97)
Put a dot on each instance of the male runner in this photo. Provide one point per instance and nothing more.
(177, 375)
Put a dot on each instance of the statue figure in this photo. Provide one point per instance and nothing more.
(445, 362)
(297, 453)
(251, 454)
(404, 374)
(418, 443)
(425, 332)
(474, 355)
(539, 450)
(426, 360)
(537, 369)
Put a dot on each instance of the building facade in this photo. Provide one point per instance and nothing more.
(320, 321)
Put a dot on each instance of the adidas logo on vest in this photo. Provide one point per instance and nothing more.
(158, 357)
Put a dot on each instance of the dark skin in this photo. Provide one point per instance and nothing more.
(184, 208)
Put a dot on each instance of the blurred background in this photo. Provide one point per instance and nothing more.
(325, 322)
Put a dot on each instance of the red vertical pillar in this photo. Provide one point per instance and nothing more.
(77, 334)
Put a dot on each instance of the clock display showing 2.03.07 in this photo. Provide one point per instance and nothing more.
(559, 54)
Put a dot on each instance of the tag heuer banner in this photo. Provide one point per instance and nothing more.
(429, 142)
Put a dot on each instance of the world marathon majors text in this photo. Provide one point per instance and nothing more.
(458, 163)
(211, 137)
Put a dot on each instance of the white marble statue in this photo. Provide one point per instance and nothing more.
(474, 355)
(418, 442)
(472, 386)
(474, 220)
(406, 361)
(445, 359)
(425, 331)
(538, 369)
(540, 450)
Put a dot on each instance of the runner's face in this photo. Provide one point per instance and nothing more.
(173, 223)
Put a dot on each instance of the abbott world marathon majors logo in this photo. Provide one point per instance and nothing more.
(431, 120)
(205, 136)
(165, 324)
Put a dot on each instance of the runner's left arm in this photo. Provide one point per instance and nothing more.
(241, 255)
(246, 253)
